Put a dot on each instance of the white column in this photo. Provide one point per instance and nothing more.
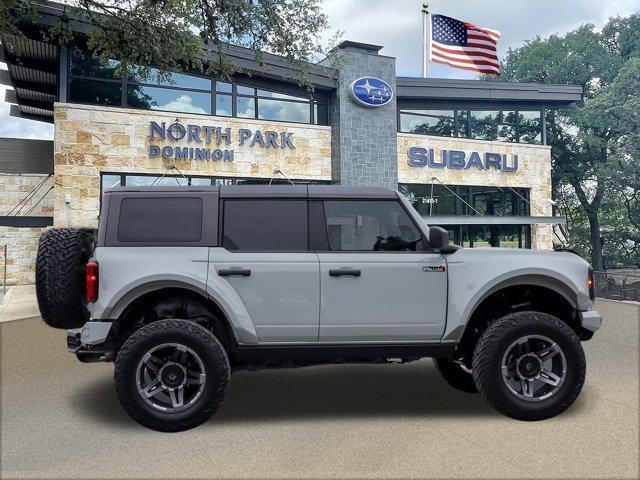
(426, 37)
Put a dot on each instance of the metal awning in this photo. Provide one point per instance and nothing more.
(493, 220)
(32, 71)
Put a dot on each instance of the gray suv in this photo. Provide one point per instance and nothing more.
(181, 286)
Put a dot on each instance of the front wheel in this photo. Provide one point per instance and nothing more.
(171, 375)
(529, 365)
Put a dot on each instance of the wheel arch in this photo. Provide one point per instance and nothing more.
(532, 292)
(167, 299)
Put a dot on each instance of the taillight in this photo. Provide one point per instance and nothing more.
(92, 281)
(591, 284)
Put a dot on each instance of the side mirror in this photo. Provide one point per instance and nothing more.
(438, 238)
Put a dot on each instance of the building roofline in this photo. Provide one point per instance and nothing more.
(359, 47)
(412, 88)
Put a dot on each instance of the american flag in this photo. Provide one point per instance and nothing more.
(463, 45)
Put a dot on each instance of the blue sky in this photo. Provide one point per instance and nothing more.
(397, 24)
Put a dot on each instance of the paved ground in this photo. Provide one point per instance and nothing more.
(61, 419)
(19, 302)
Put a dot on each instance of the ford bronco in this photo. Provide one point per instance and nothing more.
(180, 286)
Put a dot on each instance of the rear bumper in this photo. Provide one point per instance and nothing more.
(88, 342)
(590, 320)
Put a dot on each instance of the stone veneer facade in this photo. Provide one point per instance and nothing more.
(22, 243)
(89, 140)
(534, 173)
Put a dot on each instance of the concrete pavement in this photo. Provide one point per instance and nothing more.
(61, 419)
(19, 302)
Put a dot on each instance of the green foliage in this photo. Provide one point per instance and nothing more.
(596, 146)
(172, 35)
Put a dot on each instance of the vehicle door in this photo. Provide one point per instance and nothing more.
(264, 256)
(378, 280)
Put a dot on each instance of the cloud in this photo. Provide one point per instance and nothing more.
(397, 25)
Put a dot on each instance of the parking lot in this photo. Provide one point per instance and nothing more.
(61, 419)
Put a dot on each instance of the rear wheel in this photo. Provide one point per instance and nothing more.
(529, 365)
(171, 375)
(456, 375)
(60, 276)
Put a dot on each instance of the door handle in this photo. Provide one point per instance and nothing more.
(232, 272)
(346, 272)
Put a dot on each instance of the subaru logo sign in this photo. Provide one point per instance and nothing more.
(371, 92)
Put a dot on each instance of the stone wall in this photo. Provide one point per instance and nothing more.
(364, 139)
(92, 139)
(22, 243)
(534, 172)
(22, 247)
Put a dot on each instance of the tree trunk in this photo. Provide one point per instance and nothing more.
(596, 246)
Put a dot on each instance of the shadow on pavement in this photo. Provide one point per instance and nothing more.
(327, 392)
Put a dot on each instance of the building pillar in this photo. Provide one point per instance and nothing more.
(363, 139)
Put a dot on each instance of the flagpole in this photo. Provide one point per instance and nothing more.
(426, 37)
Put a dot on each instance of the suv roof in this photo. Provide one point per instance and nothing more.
(310, 191)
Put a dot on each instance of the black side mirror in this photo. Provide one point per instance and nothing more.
(438, 238)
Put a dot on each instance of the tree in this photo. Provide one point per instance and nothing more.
(172, 35)
(594, 146)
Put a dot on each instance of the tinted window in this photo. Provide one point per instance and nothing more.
(156, 98)
(265, 225)
(246, 107)
(428, 122)
(83, 64)
(370, 226)
(223, 105)
(95, 92)
(152, 75)
(530, 128)
(283, 111)
(160, 220)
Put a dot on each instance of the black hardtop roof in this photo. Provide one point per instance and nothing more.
(268, 191)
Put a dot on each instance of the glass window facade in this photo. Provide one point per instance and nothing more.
(503, 236)
(466, 200)
(95, 82)
(524, 126)
(456, 200)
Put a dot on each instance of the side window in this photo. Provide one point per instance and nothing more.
(265, 225)
(376, 225)
(160, 220)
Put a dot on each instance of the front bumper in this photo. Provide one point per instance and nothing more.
(590, 320)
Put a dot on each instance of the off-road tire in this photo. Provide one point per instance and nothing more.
(195, 337)
(60, 276)
(455, 375)
(492, 345)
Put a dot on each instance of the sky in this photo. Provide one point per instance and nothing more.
(397, 25)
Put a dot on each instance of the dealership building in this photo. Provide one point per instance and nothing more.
(472, 156)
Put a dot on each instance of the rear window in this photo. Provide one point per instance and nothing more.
(160, 220)
(265, 225)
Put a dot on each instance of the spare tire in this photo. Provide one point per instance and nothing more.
(60, 276)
